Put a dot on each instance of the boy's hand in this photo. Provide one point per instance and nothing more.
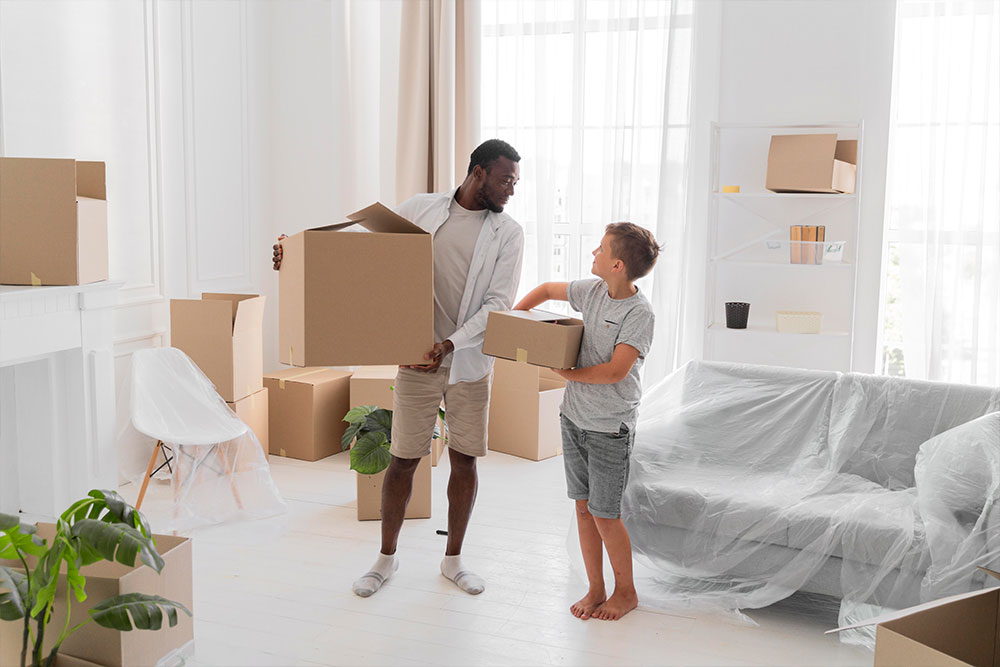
(278, 253)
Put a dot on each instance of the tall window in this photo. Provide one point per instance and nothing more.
(594, 96)
(941, 308)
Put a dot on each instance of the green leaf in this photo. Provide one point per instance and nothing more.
(146, 612)
(18, 537)
(9, 522)
(380, 421)
(115, 508)
(350, 434)
(357, 415)
(370, 455)
(14, 600)
(116, 542)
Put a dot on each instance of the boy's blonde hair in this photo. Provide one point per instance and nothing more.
(635, 247)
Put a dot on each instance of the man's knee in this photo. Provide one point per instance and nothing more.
(461, 462)
(404, 466)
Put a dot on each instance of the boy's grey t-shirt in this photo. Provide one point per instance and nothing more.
(606, 323)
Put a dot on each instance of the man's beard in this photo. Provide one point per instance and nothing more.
(483, 199)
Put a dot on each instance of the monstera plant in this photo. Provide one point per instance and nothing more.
(370, 429)
(102, 526)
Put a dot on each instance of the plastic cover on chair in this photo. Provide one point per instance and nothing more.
(219, 471)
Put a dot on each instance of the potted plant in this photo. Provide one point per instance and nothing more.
(370, 429)
(101, 526)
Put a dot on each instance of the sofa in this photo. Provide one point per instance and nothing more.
(749, 483)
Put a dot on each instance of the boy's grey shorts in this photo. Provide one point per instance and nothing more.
(596, 467)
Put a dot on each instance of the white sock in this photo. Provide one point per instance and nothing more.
(372, 580)
(451, 567)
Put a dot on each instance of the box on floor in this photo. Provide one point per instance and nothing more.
(306, 411)
(812, 163)
(372, 385)
(357, 296)
(223, 335)
(958, 630)
(524, 410)
(53, 222)
(106, 646)
(534, 336)
(253, 410)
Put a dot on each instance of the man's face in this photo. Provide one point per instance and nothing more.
(497, 183)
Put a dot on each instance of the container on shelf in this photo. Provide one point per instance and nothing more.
(817, 252)
(737, 313)
(798, 321)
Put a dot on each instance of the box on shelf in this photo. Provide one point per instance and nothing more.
(105, 646)
(962, 629)
(307, 408)
(253, 410)
(798, 321)
(222, 333)
(812, 163)
(361, 297)
(53, 222)
(533, 336)
(524, 411)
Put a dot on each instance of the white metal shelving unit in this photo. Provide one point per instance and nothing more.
(748, 260)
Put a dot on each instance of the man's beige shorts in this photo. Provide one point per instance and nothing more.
(415, 402)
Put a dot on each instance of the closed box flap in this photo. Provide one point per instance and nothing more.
(309, 376)
(376, 218)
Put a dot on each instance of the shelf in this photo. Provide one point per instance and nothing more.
(783, 195)
(783, 265)
(752, 330)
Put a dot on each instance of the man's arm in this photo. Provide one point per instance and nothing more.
(622, 360)
(542, 293)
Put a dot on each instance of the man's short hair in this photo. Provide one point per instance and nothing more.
(487, 153)
(635, 247)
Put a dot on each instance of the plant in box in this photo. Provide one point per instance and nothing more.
(101, 526)
(371, 427)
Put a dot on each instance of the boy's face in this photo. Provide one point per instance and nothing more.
(605, 266)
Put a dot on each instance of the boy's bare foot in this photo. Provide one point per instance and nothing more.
(617, 606)
(585, 606)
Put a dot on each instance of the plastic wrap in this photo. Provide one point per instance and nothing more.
(219, 471)
(749, 483)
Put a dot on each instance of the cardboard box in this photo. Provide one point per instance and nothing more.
(534, 336)
(372, 385)
(357, 296)
(307, 408)
(524, 411)
(961, 629)
(253, 411)
(53, 222)
(223, 335)
(105, 646)
(812, 163)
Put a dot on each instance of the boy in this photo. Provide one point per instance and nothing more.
(601, 403)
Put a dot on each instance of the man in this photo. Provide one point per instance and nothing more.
(477, 265)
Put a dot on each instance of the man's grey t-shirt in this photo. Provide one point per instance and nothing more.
(454, 245)
(607, 322)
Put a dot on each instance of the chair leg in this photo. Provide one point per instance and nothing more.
(230, 473)
(149, 472)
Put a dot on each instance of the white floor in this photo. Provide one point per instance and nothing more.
(278, 591)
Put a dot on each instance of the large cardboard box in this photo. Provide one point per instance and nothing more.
(524, 410)
(357, 293)
(53, 222)
(812, 163)
(253, 410)
(372, 385)
(223, 335)
(307, 408)
(958, 630)
(105, 646)
(534, 336)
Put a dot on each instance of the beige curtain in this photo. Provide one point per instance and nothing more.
(438, 117)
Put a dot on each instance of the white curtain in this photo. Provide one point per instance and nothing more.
(595, 96)
(941, 310)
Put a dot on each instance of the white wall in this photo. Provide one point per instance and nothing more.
(813, 61)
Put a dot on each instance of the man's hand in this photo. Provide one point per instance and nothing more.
(434, 357)
(276, 258)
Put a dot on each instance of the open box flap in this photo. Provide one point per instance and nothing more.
(894, 615)
(376, 218)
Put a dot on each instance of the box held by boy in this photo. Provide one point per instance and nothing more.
(534, 336)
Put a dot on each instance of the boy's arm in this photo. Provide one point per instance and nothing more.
(542, 293)
(622, 360)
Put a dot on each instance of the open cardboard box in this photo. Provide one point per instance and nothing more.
(524, 410)
(105, 646)
(357, 293)
(962, 629)
(812, 163)
(223, 335)
(372, 385)
(253, 410)
(534, 336)
(53, 222)
(307, 408)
